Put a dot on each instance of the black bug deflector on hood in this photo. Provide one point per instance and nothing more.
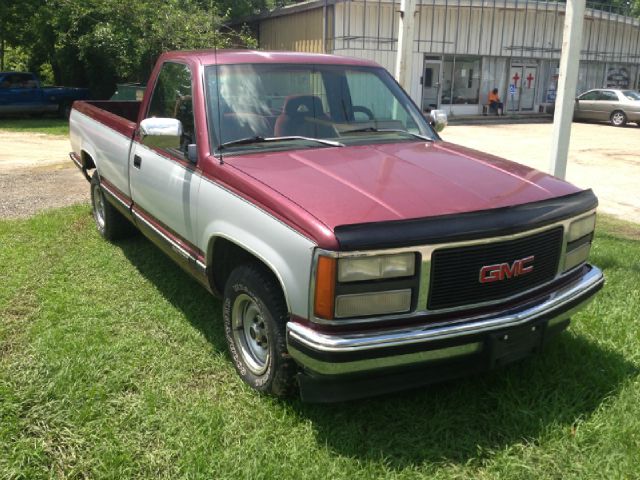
(464, 226)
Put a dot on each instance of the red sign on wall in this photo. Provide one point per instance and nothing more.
(530, 79)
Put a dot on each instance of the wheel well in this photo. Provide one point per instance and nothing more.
(86, 160)
(227, 256)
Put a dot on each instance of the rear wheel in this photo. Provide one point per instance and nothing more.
(110, 223)
(618, 119)
(255, 317)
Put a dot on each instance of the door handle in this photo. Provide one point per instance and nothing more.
(137, 161)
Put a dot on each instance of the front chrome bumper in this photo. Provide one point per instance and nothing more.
(332, 354)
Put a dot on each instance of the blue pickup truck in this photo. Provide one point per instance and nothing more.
(21, 92)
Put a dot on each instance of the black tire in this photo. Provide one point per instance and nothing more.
(110, 223)
(618, 118)
(255, 316)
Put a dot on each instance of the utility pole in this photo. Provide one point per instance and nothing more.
(1, 45)
(404, 56)
(567, 82)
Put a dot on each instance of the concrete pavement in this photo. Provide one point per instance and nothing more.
(601, 157)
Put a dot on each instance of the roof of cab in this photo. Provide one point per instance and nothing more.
(211, 57)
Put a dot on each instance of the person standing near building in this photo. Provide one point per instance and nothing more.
(495, 105)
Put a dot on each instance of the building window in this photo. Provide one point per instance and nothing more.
(461, 80)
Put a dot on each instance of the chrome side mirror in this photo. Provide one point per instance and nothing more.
(438, 120)
(162, 133)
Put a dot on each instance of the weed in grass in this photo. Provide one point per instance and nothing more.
(114, 365)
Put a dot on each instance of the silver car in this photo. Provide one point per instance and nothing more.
(608, 104)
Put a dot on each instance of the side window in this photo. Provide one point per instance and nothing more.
(372, 101)
(18, 80)
(590, 96)
(172, 98)
(608, 96)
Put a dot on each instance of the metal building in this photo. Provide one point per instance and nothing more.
(462, 49)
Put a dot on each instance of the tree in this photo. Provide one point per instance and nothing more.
(97, 43)
(12, 15)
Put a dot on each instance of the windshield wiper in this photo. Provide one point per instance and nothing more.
(260, 139)
(387, 130)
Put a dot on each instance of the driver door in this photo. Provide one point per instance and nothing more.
(164, 183)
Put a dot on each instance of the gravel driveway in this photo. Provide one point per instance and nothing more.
(36, 172)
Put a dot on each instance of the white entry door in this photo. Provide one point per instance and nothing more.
(523, 79)
(528, 89)
(430, 85)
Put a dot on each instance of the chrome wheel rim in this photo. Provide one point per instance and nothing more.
(98, 206)
(618, 118)
(250, 333)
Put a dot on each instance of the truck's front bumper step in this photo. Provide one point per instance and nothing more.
(350, 365)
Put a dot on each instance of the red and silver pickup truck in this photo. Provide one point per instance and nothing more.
(355, 251)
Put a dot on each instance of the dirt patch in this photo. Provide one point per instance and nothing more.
(19, 151)
(26, 193)
(36, 174)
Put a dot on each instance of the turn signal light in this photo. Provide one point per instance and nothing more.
(325, 287)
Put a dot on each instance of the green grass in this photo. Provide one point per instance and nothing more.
(113, 365)
(48, 125)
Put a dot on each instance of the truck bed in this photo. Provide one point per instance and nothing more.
(118, 115)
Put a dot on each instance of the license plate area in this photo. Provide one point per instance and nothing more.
(506, 347)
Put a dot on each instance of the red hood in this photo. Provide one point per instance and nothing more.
(342, 186)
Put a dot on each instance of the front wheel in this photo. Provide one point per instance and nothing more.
(255, 316)
(618, 119)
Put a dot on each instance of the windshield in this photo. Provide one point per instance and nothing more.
(346, 104)
(631, 95)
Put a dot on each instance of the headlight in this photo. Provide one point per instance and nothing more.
(354, 269)
(581, 228)
(577, 256)
(579, 241)
(365, 285)
(374, 303)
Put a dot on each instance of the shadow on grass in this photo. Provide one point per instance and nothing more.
(471, 418)
(201, 308)
(459, 421)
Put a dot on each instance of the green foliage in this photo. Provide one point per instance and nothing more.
(15, 59)
(48, 125)
(629, 8)
(97, 43)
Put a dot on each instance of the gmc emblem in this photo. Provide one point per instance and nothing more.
(502, 271)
